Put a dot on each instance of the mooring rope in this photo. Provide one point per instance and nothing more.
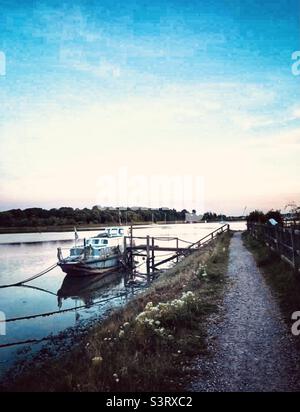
(37, 288)
(23, 342)
(62, 310)
(5, 345)
(185, 241)
(168, 239)
(29, 279)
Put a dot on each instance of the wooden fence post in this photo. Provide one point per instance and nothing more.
(152, 254)
(131, 252)
(295, 254)
(125, 252)
(148, 258)
(277, 235)
(285, 242)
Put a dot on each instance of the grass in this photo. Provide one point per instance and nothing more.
(146, 346)
(278, 274)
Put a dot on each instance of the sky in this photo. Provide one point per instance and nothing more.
(173, 103)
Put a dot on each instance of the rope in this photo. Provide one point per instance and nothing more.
(164, 238)
(168, 239)
(5, 345)
(36, 288)
(61, 311)
(29, 279)
(185, 241)
(23, 342)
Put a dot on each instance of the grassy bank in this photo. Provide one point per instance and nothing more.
(278, 274)
(147, 345)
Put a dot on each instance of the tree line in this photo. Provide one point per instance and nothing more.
(257, 216)
(67, 216)
(33, 217)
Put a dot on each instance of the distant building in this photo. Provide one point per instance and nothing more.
(193, 218)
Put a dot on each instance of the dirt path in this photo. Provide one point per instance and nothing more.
(252, 348)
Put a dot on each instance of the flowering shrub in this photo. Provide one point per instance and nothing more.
(153, 316)
(201, 272)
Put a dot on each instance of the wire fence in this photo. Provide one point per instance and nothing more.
(284, 241)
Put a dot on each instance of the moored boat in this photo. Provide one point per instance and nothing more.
(100, 254)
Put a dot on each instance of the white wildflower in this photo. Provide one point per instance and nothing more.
(97, 360)
(149, 306)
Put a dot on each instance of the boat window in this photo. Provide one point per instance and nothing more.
(96, 241)
(104, 242)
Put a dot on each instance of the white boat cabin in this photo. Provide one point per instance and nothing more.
(101, 244)
(97, 242)
(106, 238)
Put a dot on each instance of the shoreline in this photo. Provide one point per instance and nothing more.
(61, 229)
(91, 227)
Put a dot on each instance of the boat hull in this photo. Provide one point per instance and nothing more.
(91, 267)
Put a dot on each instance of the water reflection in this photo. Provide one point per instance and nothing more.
(87, 288)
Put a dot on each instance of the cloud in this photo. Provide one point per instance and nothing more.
(176, 130)
(295, 113)
(104, 69)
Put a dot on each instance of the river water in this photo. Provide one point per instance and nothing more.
(23, 255)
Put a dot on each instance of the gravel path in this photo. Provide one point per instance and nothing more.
(252, 348)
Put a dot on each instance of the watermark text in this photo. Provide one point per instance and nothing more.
(296, 64)
(123, 189)
(2, 324)
(296, 324)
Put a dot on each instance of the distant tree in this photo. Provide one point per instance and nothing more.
(256, 216)
(276, 215)
(211, 216)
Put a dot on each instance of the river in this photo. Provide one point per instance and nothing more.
(23, 255)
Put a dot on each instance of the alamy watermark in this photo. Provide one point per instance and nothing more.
(296, 324)
(2, 324)
(2, 63)
(123, 189)
(296, 64)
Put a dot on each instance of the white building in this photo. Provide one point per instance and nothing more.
(193, 218)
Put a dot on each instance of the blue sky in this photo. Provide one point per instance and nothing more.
(159, 87)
